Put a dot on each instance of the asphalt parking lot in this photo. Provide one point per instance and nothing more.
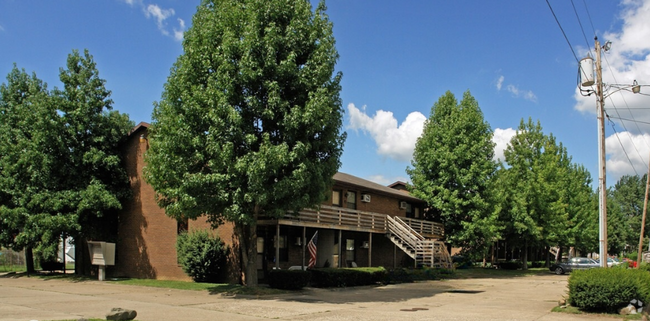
(487, 298)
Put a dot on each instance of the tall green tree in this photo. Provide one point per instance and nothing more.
(546, 193)
(61, 170)
(28, 147)
(93, 181)
(451, 169)
(582, 206)
(624, 213)
(250, 117)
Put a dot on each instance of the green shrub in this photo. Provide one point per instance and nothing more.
(644, 267)
(202, 255)
(510, 265)
(537, 264)
(288, 279)
(427, 273)
(607, 290)
(332, 277)
(398, 275)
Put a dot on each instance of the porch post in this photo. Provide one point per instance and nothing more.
(304, 240)
(277, 245)
(340, 243)
(370, 249)
(394, 256)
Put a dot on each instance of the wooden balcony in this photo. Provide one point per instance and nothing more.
(339, 218)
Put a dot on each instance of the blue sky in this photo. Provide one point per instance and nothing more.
(397, 59)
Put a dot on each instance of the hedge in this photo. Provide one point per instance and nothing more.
(333, 277)
(288, 279)
(607, 290)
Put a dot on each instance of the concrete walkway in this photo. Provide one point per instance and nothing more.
(515, 298)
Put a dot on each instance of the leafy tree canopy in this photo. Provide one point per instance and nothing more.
(452, 167)
(249, 120)
(545, 200)
(60, 173)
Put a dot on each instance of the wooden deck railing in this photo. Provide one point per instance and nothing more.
(360, 220)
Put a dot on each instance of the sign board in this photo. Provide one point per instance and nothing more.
(101, 253)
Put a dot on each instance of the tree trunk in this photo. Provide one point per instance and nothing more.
(29, 261)
(492, 260)
(82, 260)
(248, 248)
(548, 257)
(524, 264)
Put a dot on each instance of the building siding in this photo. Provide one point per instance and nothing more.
(146, 240)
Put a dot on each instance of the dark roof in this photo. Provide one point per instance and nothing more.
(138, 127)
(378, 188)
(398, 184)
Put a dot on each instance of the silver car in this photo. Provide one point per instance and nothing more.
(574, 263)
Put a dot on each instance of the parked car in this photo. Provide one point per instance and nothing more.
(610, 262)
(575, 263)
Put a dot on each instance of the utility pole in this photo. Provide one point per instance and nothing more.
(602, 186)
(587, 80)
(645, 208)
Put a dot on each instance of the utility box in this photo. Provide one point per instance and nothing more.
(102, 254)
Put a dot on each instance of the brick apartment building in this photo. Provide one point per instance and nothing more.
(356, 227)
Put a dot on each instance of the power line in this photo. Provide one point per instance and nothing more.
(563, 33)
(629, 135)
(582, 29)
(630, 107)
(623, 147)
(609, 67)
(589, 15)
(631, 120)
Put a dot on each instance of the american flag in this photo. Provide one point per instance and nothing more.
(311, 246)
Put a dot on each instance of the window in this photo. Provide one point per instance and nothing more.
(351, 200)
(349, 251)
(284, 252)
(260, 245)
(336, 198)
(409, 210)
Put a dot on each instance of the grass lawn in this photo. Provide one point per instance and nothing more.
(12, 268)
(478, 272)
(212, 288)
(573, 310)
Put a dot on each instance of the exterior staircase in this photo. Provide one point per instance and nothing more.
(425, 252)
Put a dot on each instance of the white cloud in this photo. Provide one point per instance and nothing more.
(515, 91)
(398, 142)
(526, 94)
(500, 82)
(393, 141)
(178, 33)
(160, 15)
(2, 28)
(502, 138)
(637, 148)
(133, 2)
(626, 61)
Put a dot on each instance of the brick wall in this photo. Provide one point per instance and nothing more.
(146, 244)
